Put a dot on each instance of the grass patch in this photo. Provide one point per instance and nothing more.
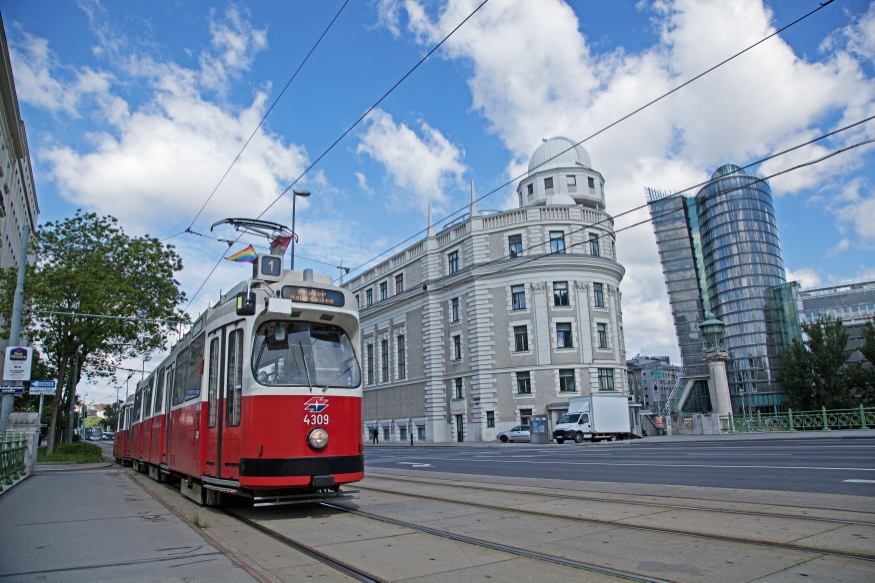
(198, 521)
(79, 452)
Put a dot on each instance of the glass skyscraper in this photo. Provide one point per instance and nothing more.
(721, 255)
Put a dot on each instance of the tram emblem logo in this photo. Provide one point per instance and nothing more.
(316, 405)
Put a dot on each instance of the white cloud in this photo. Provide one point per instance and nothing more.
(806, 276)
(855, 208)
(533, 76)
(163, 158)
(861, 35)
(422, 165)
(363, 183)
(839, 248)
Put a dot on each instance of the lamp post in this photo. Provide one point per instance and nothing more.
(295, 195)
(146, 359)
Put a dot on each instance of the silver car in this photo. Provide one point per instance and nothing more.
(518, 433)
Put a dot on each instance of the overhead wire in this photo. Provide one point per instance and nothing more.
(706, 183)
(602, 130)
(264, 117)
(344, 134)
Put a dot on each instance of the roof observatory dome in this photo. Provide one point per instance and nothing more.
(553, 147)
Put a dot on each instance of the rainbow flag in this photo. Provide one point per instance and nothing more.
(248, 255)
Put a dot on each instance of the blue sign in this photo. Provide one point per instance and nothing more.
(43, 387)
(192, 393)
(11, 390)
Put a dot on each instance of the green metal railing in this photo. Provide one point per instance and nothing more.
(12, 450)
(823, 420)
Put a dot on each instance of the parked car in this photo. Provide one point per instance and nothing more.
(518, 433)
(108, 435)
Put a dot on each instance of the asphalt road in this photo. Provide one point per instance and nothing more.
(804, 465)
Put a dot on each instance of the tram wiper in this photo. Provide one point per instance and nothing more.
(325, 388)
(306, 368)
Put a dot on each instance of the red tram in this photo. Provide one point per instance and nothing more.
(261, 398)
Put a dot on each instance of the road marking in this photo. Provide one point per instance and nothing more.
(860, 481)
(416, 465)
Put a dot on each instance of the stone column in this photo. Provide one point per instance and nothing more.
(719, 383)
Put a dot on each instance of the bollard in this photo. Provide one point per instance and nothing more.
(825, 422)
(759, 422)
(731, 423)
(862, 418)
(790, 418)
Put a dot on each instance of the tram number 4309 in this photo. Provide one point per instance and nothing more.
(314, 419)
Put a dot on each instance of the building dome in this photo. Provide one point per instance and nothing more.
(553, 147)
(725, 170)
(560, 199)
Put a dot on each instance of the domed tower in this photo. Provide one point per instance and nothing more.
(561, 174)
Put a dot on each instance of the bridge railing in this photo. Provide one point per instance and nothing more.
(12, 451)
(823, 420)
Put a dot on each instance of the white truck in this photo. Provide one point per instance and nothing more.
(599, 416)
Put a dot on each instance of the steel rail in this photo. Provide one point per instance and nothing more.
(636, 503)
(302, 548)
(715, 537)
(496, 546)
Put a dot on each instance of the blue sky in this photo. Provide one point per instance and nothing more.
(137, 109)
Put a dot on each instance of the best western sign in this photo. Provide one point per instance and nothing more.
(17, 364)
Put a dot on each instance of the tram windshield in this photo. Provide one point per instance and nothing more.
(305, 354)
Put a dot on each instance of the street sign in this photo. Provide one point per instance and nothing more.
(17, 364)
(43, 387)
(11, 390)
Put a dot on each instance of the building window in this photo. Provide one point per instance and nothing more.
(455, 305)
(572, 180)
(523, 383)
(594, 244)
(560, 293)
(399, 283)
(402, 433)
(557, 242)
(606, 379)
(590, 181)
(358, 301)
(453, 262)
(563, 336)
(385, 434)
(525, 416)
(518, 297)
(566, 380)
(384, 354)
(420, 432)
(530, 189)
(515, 243)
(521, 338)
(603, 335)
(369, 297)
(402, 357)
(548, 183)
(459, 393)
(598, 295)
(457, 348)
(370, 364)
(490, 419)
(384, 291)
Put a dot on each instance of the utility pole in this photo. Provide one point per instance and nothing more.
(71, 406)
(15, 325)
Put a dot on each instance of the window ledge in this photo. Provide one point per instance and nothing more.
(520, 353)
(524, 396)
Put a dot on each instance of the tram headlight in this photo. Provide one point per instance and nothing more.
(317, 438)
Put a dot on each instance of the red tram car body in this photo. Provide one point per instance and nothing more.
(261, 398)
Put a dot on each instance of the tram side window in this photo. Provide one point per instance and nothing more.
(195, 371)
(147, 403)
(213, 386)
(159, 391)
(234, 378)
(138, 405)
(181, 370)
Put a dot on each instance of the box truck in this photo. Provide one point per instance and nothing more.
(599, 416)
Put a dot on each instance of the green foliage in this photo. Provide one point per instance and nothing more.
(110, 415)
(93, 421)
(815, 374)
(87, 264)
(868, 373)
(79, 452)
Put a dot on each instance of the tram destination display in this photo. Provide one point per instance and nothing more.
(311, 295)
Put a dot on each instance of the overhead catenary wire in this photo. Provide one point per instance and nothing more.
(343, 135)
(602, 130)
(108, 317)
(267, 113)
(707, 182)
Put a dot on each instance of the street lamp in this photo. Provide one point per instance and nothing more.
(146, 359)
(296, 194)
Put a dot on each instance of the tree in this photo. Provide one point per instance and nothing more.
(93, 421)
(110, 415)
(88, 265)
(815, 373)
(868, 352)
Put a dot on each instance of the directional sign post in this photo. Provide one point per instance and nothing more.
(42, 388)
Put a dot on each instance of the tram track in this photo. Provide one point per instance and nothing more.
(575, 497)
(623, 525)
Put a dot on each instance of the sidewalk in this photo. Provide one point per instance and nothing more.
(91, 522)
(662, 439)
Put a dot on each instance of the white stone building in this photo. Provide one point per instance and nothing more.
(499, 315)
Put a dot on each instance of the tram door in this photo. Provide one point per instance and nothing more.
(231, 403)
(169, 383)
(215, 378)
